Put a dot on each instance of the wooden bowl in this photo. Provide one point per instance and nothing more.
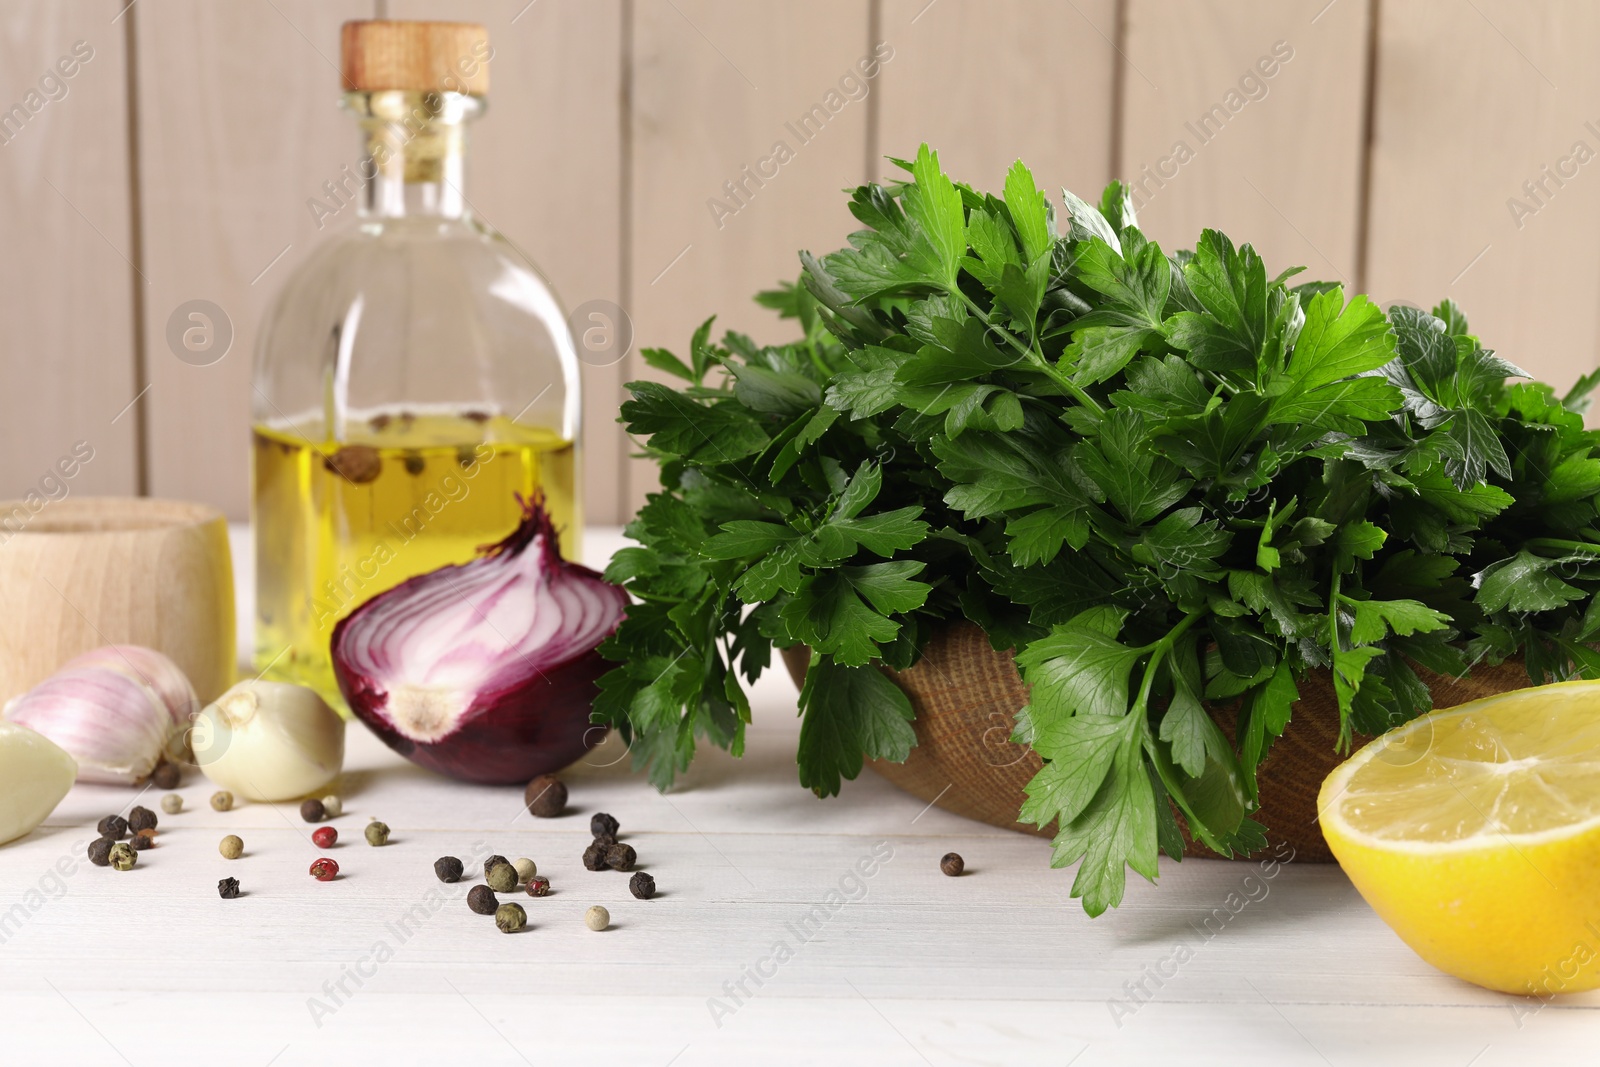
(83, 572)
(965, 695)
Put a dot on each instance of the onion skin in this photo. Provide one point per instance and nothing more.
(530, 717)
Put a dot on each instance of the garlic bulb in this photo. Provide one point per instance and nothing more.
(115, 726)
(35, 773)
(269, 741)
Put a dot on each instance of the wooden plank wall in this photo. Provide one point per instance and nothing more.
(177, 165)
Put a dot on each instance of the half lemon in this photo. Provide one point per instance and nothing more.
(1474, 832)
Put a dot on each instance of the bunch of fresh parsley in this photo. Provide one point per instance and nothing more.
(1166, 481)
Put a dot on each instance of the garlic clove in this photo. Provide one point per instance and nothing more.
(269, 741)
(154, 669)
(35, 773)
(113, 725)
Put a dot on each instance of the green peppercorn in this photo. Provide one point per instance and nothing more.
(510, 918)
(231, 847)
(222, 801)
(172, 803)
(123, 857)
(502, 878)
(377, 833)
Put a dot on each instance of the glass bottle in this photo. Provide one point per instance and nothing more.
(414, 375)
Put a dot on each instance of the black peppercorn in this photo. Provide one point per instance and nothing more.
(140, 842)
(605, 840)
(546, 796)
(141, 818)
(621, 857)
(594, 858)
(113, 826)
(228, 888)
(313, 811)
(642, 885)
(492, 861)
(601, 823)
(167, 776)
(100, 852)
(538, 886)
(448, 869)
(952, 864)
(482, 900)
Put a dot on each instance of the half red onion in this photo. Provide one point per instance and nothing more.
(484, 671)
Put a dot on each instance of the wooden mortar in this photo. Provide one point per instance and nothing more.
(83, 572)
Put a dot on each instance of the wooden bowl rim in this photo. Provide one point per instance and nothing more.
(106, 516)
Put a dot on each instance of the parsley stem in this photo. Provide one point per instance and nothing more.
(1034, 356)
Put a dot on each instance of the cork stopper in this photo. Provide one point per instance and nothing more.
(385, 54)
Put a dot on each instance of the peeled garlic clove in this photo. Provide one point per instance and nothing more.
(35, 773)
(269, 741)
(115, 726)
(154, 669)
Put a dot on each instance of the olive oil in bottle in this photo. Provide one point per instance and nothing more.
(414, 375)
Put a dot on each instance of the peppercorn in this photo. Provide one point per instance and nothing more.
(172, 803)
(502, 878)
(482, 900)
(605, 840)
(493, 861)
(222, 801)
(415, 464)
(601, 823)
(142, 841)
(231, 847)
(546, 796)
(377, 833)
(332, 806)
(113, 826)
(597, 918)
(952, 864)
(621, 857)
(313, 811)
(228, 888)
(510, 918)
(358, 464)
(141, 818)
(538, 886)
(324, 870)
(123, 857)
(324, 837)
(526, 868)
(594, 858)
(167, 776)
(447, 869)
(642, 885)
(100, 851)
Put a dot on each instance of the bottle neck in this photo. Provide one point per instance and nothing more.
(414, 146)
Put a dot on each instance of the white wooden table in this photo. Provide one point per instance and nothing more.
(387, 965)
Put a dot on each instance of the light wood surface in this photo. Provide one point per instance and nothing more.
(1446, 166)
(716, 87)
(1276, 160)
(995, 967)
(68, 273)
(126, 571)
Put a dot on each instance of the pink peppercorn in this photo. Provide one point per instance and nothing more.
(324, 870)
(325, 836)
